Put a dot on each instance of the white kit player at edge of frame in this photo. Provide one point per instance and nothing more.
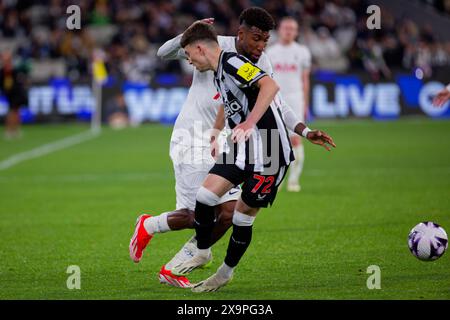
(291, 63)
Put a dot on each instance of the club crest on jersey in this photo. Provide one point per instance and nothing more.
(248, 71)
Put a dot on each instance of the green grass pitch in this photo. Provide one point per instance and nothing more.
(78, 207)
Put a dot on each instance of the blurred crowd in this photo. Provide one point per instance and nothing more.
(131, 31)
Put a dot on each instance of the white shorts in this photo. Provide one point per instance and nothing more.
(191, 166)
(296, 102)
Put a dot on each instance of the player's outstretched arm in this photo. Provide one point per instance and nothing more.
(306, 89)
(442, 97)
(290, 118)
(320, 138)
(171, 49)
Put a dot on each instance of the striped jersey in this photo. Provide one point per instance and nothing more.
(269, 145)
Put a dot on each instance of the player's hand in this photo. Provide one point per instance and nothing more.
(321, 138)
(207, 20)
(214, 147)
(242, 131)
(441, 98)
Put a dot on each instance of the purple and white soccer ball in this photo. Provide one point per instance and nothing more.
(428, 241)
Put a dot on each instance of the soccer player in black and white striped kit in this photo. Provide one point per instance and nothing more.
(256, 156)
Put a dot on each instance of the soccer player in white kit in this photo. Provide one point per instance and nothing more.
(291, 64)
(252, 111)
(190, 149)
(190, 146)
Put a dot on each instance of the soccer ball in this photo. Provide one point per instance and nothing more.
(427, 241)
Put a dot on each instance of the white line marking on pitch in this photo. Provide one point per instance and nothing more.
(46, 149)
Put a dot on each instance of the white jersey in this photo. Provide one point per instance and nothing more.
(199, 111)
(289, 62)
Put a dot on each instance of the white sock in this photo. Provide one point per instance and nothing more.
(157, 224)
(301, 159)
(204, 252)
(225, 271)
(184, 253)
(296, 167)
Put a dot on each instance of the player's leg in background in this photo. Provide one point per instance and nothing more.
(185, 218)
(12, 123)
(296, 167)
(189, 176)
(208, 197)
(254, 196)
(224, 213)
(188, 179)
(240, 239)
(179, 220)
(294, 100)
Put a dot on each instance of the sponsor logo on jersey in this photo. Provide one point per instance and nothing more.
(248, 71)
(285, 67)
(231, 107)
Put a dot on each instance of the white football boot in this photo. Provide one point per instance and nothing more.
(195, 262)
(213, 283)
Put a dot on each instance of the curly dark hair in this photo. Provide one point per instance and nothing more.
(198, 31)
(257, 17)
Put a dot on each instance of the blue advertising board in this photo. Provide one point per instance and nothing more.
(332, 96)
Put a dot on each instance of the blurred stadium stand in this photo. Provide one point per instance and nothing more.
(430, 12)
(413, 40)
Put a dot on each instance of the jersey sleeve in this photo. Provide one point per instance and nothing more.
(290, 118)
(243, 72)
(226, 43)
(171, 49)
(265, 64)
(306, 61)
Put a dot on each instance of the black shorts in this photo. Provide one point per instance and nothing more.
(258, 190)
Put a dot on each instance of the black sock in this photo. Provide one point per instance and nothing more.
(204, 224)
(239, 241)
